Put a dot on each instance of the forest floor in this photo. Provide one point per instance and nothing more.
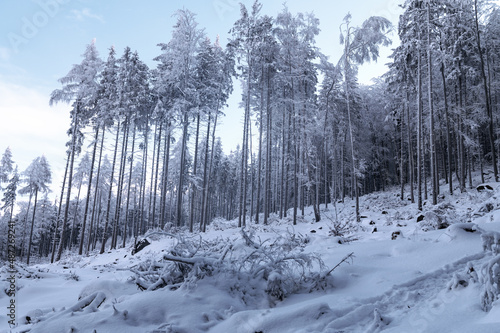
(399, 275)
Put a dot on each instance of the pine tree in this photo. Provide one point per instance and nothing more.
(9, 196)
(176, 74)
(37, 178)
(360, 44)
(80, 87)
(243, 46)
(6, 166)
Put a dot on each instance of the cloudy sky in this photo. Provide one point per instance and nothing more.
(41, 39)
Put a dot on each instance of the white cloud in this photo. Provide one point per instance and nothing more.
(30, 127)
(85, 13)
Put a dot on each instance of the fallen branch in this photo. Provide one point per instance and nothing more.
(347, 257)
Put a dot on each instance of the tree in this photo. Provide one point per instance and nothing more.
(80, 86)
(103, 117)
(9, 196)
(6, 166)
(176, 74)
(243, 46)
(487, 91)
(215, 69)
(37, 178)
(360, 44)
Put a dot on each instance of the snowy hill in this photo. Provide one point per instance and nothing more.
(388, 273)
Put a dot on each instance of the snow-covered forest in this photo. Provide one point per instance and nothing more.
(318, 152)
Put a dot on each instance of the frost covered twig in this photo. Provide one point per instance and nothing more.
(347, 257)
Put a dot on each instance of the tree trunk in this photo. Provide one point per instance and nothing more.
(434, 178)
(487, 98)
(182, 167)
(166, 161)
(110, 192)
(142, 193)
(89, 188)
(419, 133)
(73, 226)
(205, 172)
(401, 163)
(96, 188)
(70, 180)
(354, 176)
(410, 147)
(23, 240)
(32, 227)
(59, 209)
(448, 130)
(157, 166)
(283, 152)
(242, 197)
(195, 164)
(121, 180)
(128, 188)
(267, 181)
(205, 204)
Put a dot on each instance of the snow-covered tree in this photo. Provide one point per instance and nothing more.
(6, 166)
(80, 87)
(361, 44)
(37, 178)
(176, 76)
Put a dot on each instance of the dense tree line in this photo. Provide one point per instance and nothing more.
(143, 153)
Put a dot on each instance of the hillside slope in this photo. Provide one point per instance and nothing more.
(394, 274)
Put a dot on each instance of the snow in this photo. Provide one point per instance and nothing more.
(425, 280)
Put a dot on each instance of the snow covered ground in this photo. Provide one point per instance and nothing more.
(403, 276)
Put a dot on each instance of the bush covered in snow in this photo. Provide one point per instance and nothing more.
(440, 217)
(491, 283)
(278, 267)
(491, 242)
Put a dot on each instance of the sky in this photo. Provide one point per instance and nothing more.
(40, 40)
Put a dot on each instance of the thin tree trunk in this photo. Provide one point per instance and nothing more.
(32, 227)
(267, 182)
(89, 188)
(434, 177)
(295, 161)
(354, 175)
(73, 226)
(283, 152)
(128, 189)
(182, 167)
(142, 193)
(195, 164)
(410, 147)
(448, 130)
(23, 240)
(401, 163)
(154, 189)
(205, 205)
(487, 98)
(419, 133)
(121, 179)
(110, 192)
(242, 196)
(96, 188)
(59, 209)
(70, 180)
(205, 171)
(166, 161)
